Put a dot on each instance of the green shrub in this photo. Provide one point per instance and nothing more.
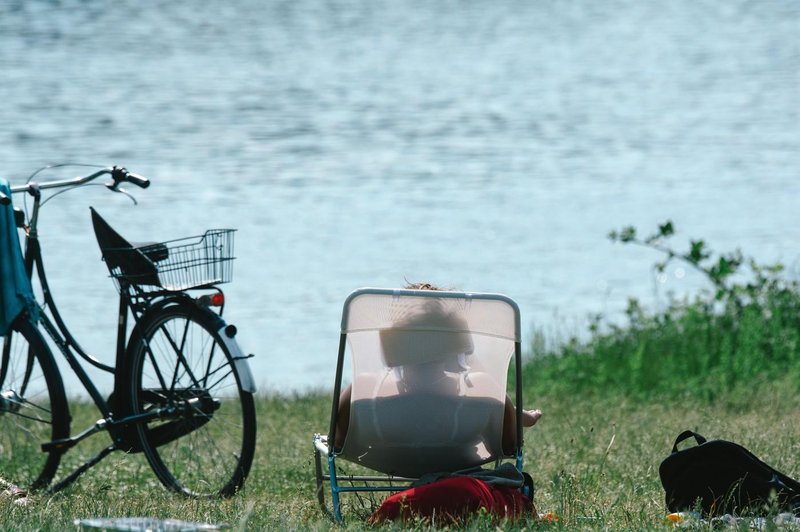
(743, 332)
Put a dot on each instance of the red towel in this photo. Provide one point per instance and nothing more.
(453, 499)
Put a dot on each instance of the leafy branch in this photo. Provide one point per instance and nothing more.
(718, 269)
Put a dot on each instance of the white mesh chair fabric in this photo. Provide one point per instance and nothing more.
(429, 378)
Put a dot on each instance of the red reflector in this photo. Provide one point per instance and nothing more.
(218, 299)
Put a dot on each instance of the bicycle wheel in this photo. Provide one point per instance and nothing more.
(203, 440)
(33, 407)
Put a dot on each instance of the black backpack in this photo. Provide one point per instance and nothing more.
(723, 477)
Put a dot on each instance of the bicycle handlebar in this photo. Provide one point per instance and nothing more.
(118, 175)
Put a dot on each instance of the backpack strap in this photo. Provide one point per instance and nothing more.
(685, 435)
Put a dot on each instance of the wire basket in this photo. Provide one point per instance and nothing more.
(175, 265)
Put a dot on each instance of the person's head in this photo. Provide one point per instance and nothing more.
(431, 332)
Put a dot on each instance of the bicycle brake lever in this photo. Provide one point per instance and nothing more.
(114, 188)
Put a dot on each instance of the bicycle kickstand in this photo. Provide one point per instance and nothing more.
(82, 469)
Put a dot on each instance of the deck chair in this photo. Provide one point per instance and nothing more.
(428, 391)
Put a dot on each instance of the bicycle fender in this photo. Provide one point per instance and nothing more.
(239, 359)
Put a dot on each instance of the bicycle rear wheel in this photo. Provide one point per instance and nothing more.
(203, 441)
(33, 407)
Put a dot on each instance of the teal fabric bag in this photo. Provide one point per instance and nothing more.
(16, 293)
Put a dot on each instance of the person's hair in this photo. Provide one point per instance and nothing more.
(422, 286)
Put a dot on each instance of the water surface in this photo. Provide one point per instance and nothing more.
(474, 145)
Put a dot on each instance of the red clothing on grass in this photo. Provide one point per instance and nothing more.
(453, 498)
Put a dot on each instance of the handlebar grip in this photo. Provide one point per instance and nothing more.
(138, 180)
(122, 174)
(4, 200)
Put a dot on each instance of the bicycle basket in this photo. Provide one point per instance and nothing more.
(180, 264)
(174, 265)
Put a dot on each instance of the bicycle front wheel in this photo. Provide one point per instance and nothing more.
(201, 438)
(33, 407)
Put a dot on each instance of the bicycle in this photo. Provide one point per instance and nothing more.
(183, 390)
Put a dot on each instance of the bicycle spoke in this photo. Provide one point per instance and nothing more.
(33, 418)
(220, 379)
(180, 357)
(179, 352)
(26, 402)
(153, 363)
(208, 366)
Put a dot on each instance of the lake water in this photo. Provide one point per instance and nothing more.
(482, 145)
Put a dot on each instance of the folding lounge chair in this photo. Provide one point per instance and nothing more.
(428, 388)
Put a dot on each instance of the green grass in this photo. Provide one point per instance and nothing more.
(594, 460)
(700, 348)
(726, 365)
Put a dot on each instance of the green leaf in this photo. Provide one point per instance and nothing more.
(697, 252)
(724, 268)
(628, 234)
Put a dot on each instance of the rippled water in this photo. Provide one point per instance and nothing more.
(481, 145)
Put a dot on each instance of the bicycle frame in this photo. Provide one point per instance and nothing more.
(56, 328)
(58, 331)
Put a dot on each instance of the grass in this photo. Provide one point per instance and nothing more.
(594, 461)
(743, 332)
(725, 364)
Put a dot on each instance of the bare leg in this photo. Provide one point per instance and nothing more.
(529, 419)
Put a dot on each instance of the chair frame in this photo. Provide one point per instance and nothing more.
(323, 444)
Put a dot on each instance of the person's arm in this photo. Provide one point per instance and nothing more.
(343, 417)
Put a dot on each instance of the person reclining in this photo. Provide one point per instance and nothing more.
(444, 371)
